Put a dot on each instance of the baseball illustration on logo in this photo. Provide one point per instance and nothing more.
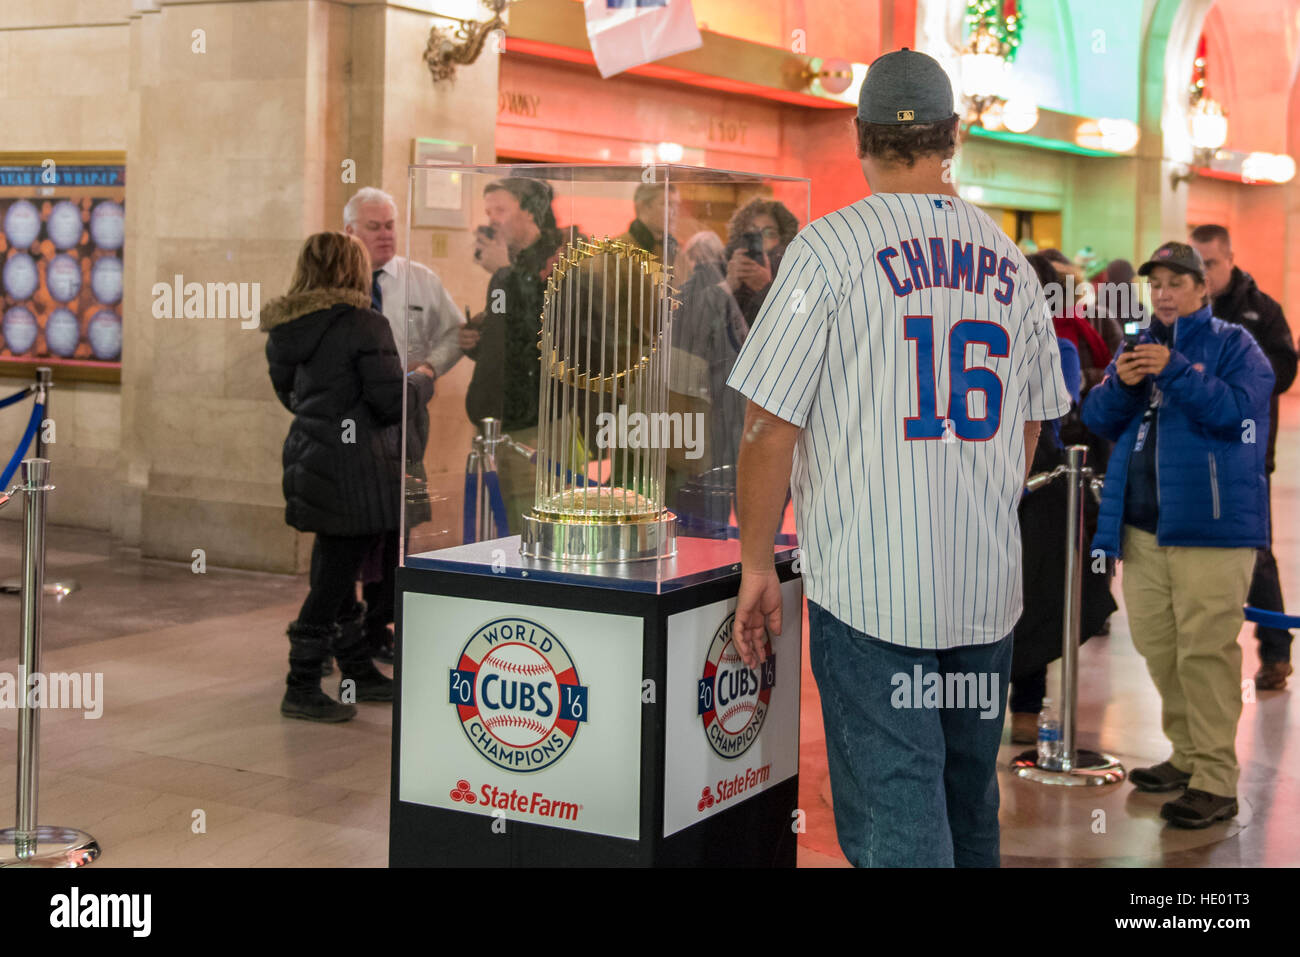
(733, 699)
(517, 694)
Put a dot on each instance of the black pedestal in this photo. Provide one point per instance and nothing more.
(622, 730)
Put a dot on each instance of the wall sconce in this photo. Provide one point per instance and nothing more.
(449, 47)
(834, 74)
(1209, 130)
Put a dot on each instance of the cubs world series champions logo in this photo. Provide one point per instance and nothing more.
(733, 699)
(517, 694)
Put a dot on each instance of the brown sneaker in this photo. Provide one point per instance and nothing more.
(1272, 675)
(1024, 728)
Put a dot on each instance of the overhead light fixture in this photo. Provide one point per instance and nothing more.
(1110, 135)
(1020, 114)
(670, 152)
(983, 73)
(1208, 126)
(1268, 168)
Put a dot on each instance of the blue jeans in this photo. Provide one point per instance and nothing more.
(913, 785)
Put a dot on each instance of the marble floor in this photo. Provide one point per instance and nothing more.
(191, 763)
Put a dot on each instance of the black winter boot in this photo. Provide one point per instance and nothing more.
(353, 650)
(308, 644)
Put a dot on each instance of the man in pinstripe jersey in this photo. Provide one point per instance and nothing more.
(896, 378)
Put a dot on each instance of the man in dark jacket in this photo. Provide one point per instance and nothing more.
(657, 208)
(1235, 298)
(503, 339)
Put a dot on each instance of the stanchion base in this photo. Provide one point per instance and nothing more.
(1092, 768)
(58, 589)
(47, 846)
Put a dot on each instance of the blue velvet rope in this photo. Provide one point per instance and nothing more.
(469, 515)
(34, 423)
(498, 504)
(16, 397)
(1272, 619)
(471, 509)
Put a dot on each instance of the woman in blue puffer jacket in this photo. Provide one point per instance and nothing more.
(1185, 506)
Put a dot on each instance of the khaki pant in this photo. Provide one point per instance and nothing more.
(518, 477)
(1184, 610)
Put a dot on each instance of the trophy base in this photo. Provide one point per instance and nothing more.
(596, 542)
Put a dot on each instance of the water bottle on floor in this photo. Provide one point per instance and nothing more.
(1049, 737)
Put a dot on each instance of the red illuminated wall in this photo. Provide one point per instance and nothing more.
(1250, 72)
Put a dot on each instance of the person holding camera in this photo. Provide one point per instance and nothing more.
(758, 234)
(1185, 506)
(519, 247)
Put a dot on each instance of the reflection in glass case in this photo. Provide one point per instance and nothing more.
(589, 423)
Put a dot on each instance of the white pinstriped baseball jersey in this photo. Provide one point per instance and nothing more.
(909, 339)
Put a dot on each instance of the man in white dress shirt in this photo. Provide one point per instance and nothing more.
(431, 318)
(425, 321)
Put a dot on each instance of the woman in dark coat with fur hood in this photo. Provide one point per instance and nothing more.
(334, 365)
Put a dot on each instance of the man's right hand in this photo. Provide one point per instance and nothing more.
(491, 254)
(758, 612)
(469, 334)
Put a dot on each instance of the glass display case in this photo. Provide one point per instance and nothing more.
(580, 427)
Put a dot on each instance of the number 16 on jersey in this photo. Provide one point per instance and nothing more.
(962, 380)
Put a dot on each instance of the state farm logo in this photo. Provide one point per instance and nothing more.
(732, 699)
(521, 802)
(517, 695)
(732, 787)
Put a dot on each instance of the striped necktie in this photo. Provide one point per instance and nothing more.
(376, 294)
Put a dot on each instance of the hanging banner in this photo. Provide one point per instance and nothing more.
(628, 33)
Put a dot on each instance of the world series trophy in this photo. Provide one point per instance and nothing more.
(601, 462)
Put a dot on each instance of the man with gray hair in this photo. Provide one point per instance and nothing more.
(425, 321)
(430, 318)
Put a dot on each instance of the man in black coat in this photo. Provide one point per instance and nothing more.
(519, 249)
(1236, 298)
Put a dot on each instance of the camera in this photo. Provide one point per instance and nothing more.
(485, 234)
(1132, 332)
(752, 245)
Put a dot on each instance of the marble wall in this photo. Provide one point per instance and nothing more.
(236, 118)
(66, 90)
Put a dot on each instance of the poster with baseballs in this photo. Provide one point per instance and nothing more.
(522, 713)
(62, 242)
(732, 731)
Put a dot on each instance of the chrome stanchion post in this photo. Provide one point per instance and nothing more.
(1078, 766)
(41, 388)
(30, 844)
(490, 439)
(44, 382)
(1073, 602)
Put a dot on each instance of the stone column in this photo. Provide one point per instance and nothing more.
(243, 115)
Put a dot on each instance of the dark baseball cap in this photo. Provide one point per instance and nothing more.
(905, 88)
(1179, 257)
